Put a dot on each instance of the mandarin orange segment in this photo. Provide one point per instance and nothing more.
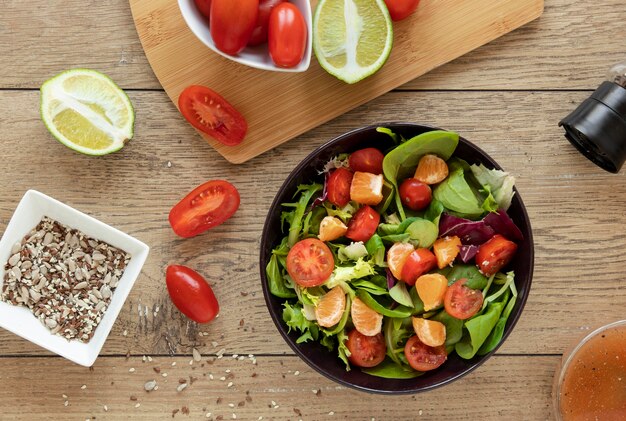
(331, 228)
(431, 289)
(396, 257)
(430, 332)
(431, 169)
(446, 249)
(367, 188)
(330, 308)
(367, 321)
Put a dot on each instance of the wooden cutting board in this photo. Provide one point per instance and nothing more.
(280, 106)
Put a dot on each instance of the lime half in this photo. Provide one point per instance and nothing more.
(86, 111)
(352, 39)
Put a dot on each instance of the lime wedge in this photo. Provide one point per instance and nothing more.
(86, 111)
(352, 39)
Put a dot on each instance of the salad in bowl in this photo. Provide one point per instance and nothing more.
(399, 259)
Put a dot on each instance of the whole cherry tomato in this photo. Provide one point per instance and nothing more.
(415, 194)
(400, 9)
(259, 34)
(232, 23)
(204, 6)
(191, 294)
(287, 35)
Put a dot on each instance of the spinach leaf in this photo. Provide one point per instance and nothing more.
(400, 311)
(401, 162)
(396, 138)
(477, 329)
(475, 279)
(454, 327)
(510, 280)
(277, 284)
(434, 211)
(400, 295)
(396, 238)
(369, 286)
(418, 304)
(391, 370)
(388, 194)
(376, 249)
(306, 191)
(423, 232)
(396, 332)
(456, 194)
(496, 334)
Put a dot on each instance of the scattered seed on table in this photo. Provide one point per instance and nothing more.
(182, 387)
(164, 374)
(149, 386)
(230, 384)
(131, 370)
(174, 363)
(83, 387)
(137, 405)
(196, 355)
(296, 373)
(106, 408)
(232, 405)
(331, 413)
(125, 333)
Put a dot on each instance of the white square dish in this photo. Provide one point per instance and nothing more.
(21, 321)
(257, 57)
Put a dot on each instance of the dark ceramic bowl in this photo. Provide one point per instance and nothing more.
(328, 363)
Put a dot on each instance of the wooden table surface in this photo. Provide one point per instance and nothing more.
(507, 97)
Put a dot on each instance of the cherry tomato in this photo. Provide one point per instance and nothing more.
(259, 33)
(423, 357)
(310, 262)
(495, 254)
(208, 112)
(400, 9)
(366, 351)
(367, 160)
(207, 206)
(363, 224)
(339, 187)
(232, 23)
(415, 195)
(191, 294)
(419, 262)
(287, 35)
(462, 302)
(204, 6)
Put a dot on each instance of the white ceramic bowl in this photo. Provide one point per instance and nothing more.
(21, 321)
(257, 57)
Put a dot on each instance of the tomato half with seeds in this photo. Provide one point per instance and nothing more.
(462, 302)
(210, 113)
(207, 206)
(495, 254)
(191, 294)
(338, 187)
(367, 160)
(310, 262)
(366, 351)
(363, 224)
(423, 357)
(419, 262)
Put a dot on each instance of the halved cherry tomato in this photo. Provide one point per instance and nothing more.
(287, 35)
(417, 263)
(366, 351)
(423, 357)
(367, 160)
(207, 206)
(232, 23)
(495, 254)
(204, 6)
(400, 9)
(415, 195)
(208, 112)
(462, 302)
(191, 294)
(259, 33)
(363, 224)
(310, 262)
(339, 187)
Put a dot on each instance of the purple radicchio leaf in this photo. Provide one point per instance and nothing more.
(468, 252)
(502, 223)
(321, 199)
(391, 280)
(470, 232)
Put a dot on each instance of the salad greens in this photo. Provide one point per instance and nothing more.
(470, 203)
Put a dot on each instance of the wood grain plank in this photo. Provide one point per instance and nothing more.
(275, 393)
(577, 211)
(569, 47)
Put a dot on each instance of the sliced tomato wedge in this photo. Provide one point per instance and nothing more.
(419, 262)
(423, 357)
(310, 262)
(495, 254)
(207, 206)
(366, 351)
(338, 186)
(363, 224)
(209, 112)
(462, 302)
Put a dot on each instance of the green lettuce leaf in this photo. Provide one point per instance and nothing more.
(354, 251)
(398, 312)
(345, 274)
(376, 249)
(500, 182)
(295, 217)
(294, 318)
(277, 284)
(342, 348)
(456, 194)
(454, 327)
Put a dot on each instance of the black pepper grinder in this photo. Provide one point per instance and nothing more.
(597, 128)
